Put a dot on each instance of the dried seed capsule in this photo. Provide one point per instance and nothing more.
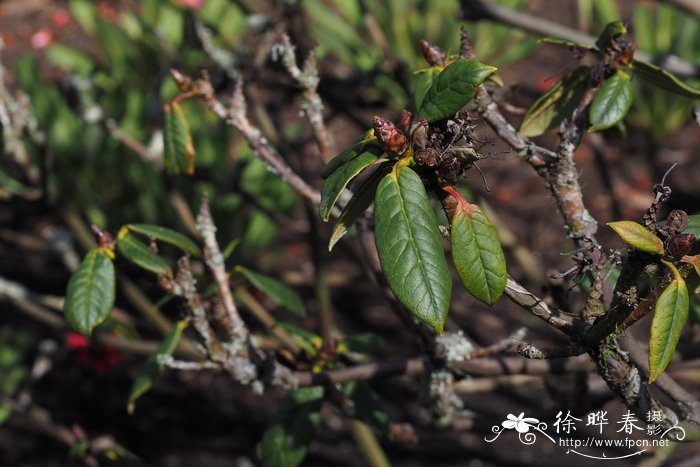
(426, 156)
(391, 138)
(433, 54)
(449, 170)
(676, 222)
(679, 245)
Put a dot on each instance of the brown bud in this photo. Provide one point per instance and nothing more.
(406, 118)
(433, 54)
(426, 156)
(679, 245)
(419, 135)
(391, 138)
(102, 237)
(676, 222)
(449, 170)
(183, 81)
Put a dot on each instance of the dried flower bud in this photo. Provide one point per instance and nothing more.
(419, 134)
(391, 138)
(433, 54)
(449, 170)
(426, 156)
(676, 222)
(679, 245)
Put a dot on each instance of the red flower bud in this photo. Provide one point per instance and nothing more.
(406, 118)
(391, 138)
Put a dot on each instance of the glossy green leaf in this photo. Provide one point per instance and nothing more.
(424, 79)
(670, 315)
(477, 254)
(410, 247)
(612, 102)
(178, 149)
(452, 88)
(168, 236)
(276, 291)
(636, 235)
(141, 255)
(663, 79)
(693, 225)
(153, 367)
(357, 148)
(286, 442)
(556, 104)
(338, 180)
(91, 291)
(357, 205)
(611, 31)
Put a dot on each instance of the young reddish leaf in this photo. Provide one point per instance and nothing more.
(410, 247)
(168, 236)
(153, 367)
(178, 149)
(275, 291)
(91, 291)
(452, 88)
(338, 180)
(694, 261)
(358, 204)
(352, 152)
(556, 104)
(140, 254)
(663, 79)
(612, 102)
(286, 442)
(670, 315)
(476, 251)
(636, 235)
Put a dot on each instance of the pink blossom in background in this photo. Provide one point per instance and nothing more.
(193, 4)
(42, 38)
(61, 18)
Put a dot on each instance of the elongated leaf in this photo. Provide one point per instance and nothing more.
(168, 236)
(636, 235)
(693, 225)
(275, 291)
(140, 254)
(410, 247)
(91, 291)
(566, 42)
(611, 31)
(556, 104)
(424, 80)
(357, 148)
(338, 180)
(178, 149)
(670, 315)
(477, 253)
(452, 88)
(70, 59)
(663, 79)
(612, 102)
(357, 205)
(367, 405)
(153, 367)
(286, 442)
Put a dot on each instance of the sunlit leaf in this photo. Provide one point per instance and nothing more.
(140, 254)
(168, 236)
(178, 149)
(286, 442)
(153, 367)
(424, 79)
(410, 247)
(670, 315)
(357, 148)
(91, 291)
(612, 102)
(611, 31)
(663, 79)
(452, 88)
(275, 290)
(636, 235)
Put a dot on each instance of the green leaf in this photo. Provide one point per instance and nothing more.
(141, 255)
(663, 79)
(556, 104)
(357, 205)
(670, 315)
(424, 80)
(566, 42)
(452, 88)
(367, 405)
(70, 59)
(286, 442)
(168, 236)
(477, 253)
(91, 291)
(275, 291)
(693, 225)
(611, 31)
(153, 367)
(410, 247)
(636, 235)
(357, 148)
(338, 180)
(612, 102)
(178, 149)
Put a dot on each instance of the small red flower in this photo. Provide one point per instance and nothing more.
(42, 39)
(60, 18)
